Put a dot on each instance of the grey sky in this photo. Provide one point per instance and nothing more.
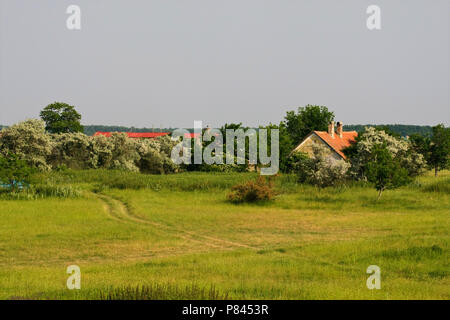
(138, 63)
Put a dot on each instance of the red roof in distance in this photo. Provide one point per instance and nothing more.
(134, 134)
(338, 143)
(192, 135)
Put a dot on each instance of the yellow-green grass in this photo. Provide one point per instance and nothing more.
(179, 230)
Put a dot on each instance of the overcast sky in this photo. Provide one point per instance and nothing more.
(166, 62)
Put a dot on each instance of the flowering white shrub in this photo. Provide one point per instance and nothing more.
(322, 169)
(155, 155)
(400, 149)
(29, 141)
(73, 150)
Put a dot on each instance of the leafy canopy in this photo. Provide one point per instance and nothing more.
(435, 149)
(307, 119)
(13, 170)
(384, 170)
(60, 117)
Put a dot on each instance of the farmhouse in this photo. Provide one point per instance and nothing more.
(334, 141)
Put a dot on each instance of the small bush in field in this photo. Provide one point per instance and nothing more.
(252, 191)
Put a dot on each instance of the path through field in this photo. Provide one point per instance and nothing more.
(118, 211)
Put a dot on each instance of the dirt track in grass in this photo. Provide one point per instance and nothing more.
(118, 211)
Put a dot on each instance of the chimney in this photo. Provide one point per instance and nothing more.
(331, 129)
(339, 129)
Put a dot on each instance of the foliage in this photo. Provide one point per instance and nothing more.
(293, 162)
(321, 169)
(286, 145)
(60, 117)
(307, 119)
(400, 149)
(29, 141)
(155, 155)
(74, 150)
(439, 149)
(42, 191)
(251, 191)
(385, 171)
(398, 129)
(13, 171)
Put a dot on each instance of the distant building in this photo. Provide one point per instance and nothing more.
(334, 141)
(144, 135)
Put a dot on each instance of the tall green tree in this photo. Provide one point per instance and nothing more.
(384, 170)
(60, 117)
(440, 148)
(307, 119)
(435, 149)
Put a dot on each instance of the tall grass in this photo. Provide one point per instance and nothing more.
(116, 179)
(163, 292)
(41, 191)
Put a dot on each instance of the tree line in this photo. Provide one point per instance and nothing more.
(379, 155)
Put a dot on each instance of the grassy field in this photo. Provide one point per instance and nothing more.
(178, 234)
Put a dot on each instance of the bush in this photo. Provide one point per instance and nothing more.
(321, 169)
(155, 155)
(14, 172)
(29, 141)
(252, 191)
(73, 150)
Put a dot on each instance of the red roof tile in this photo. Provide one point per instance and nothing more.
(134, 134)
(337, 143)
(192, 135)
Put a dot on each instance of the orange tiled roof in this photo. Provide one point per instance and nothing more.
(337, 143)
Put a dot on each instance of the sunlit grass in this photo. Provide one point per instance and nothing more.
(178, 231)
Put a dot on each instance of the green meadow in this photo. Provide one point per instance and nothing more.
(178, 235)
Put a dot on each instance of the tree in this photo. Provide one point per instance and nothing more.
(440, 148)
(287, 158)
(435, 149)
(13, 171)
(385, 171)
(307, 119)
(360, 153)
(60, 117)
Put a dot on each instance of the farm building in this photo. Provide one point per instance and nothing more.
(334, 141)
